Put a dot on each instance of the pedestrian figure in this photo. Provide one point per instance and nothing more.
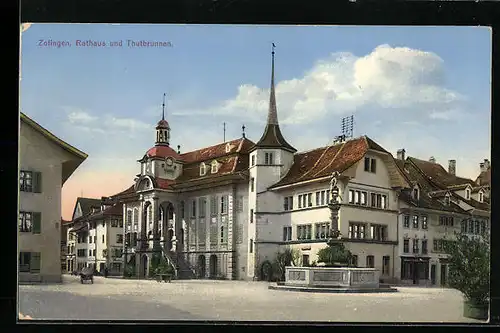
(105, 272)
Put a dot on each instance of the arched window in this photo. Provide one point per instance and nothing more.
(129, 217)
(150, 214)
(136, 217)
(203, 169)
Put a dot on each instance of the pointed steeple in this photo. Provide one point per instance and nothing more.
(272, 116)
(272, 137)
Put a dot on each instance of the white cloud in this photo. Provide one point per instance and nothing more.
(80, 117)
(388, 78)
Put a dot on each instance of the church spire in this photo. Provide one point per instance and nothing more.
(272, 116)
(272, 137)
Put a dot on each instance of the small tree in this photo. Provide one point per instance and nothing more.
(469, 270)
(286, 258)
(335, 255)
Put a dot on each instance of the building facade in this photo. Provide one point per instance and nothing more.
(438, 205)
(97, 237)
(45, 162)
(225, 210)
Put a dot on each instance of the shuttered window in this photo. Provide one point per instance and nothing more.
(37, 182)
(35, 264)
(213, 205)
(37, 222)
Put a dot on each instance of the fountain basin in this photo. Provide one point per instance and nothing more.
(332, 279)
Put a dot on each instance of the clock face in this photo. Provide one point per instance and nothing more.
(170, 162)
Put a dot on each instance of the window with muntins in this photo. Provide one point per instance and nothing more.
(424, 221)
(406, 221)
(304, 231)
(370, 165)
(287, 233)
(288, 203)
(322, 230)
(357, 230)
(415, 245)
(415, 221)
(30, 181)
(406, 245)
(378, 232)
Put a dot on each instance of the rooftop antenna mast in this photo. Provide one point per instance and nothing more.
(224, 129)
(347, 127)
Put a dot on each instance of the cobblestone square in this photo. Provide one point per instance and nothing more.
(117, 299)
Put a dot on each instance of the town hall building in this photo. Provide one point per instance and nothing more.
(224, 211)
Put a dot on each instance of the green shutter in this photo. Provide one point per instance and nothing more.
(37, 222)
(37, 182)
(35, 262)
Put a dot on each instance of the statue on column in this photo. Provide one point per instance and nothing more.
(334, 190)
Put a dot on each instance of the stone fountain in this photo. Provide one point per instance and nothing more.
(338, 277)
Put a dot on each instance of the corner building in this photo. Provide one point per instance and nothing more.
(225, 211)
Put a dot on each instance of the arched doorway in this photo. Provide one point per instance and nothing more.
(201, 266)
(213, 266)
(144, 266)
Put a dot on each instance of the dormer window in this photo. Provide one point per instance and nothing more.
(481, 196)
(228, 147)
(214, 167)
(467, 193)
(416, 193)
(203, 169)
(447, 199)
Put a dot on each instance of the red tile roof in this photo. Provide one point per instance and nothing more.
(234, 160)
(438, 175)
(323, 161)
(162, 152)
(241, 145)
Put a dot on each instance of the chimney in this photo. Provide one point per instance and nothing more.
(432, 159)
(401, 154)
(487, 164)
(452, 166)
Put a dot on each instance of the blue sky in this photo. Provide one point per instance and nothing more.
(425, 89)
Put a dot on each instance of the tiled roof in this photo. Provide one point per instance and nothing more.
(115, 210)
(484, 177)
(438, 175)
(86, 204)
(433, 189)
(434, 201)
(232, 160)
(323, 161)
(241, 146)
(162, 152)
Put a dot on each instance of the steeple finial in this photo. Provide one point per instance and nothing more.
(243, 130)
(272, 117)
(163, 107)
